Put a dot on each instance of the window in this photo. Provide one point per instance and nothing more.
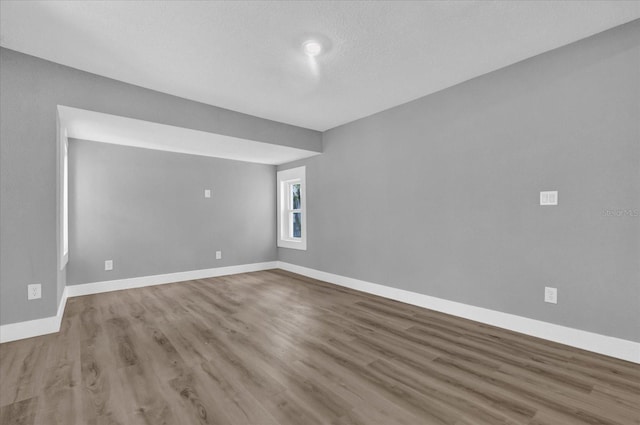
(63, 200)
(292, 219)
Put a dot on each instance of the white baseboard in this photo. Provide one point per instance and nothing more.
(37, 327)
(48, 325)
(610, 346)
(602, 344)
(160, 279)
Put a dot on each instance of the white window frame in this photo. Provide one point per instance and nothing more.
(286, 178)
(63, 197)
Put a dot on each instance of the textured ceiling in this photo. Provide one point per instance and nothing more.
(246, 56)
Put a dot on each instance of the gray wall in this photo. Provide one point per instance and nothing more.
(437, 196)
(146, 211)
(31, 88)
(440, 196)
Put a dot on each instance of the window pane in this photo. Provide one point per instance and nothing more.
(295, 196)
(296, 220)
(65, 199)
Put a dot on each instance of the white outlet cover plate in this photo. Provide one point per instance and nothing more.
(108, 265)
(218, 255)
(549, 197)
(550, 295)
(34, 291)
(207, 193)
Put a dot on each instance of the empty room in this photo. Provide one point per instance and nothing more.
(319, 212)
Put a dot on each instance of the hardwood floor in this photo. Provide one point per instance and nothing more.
(272, 348)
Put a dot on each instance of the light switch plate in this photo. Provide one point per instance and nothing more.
(551, 295)
(207, 193)
(549, 197)
(34, 291)
(108, 265)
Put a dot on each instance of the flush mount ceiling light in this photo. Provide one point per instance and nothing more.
(312, 48)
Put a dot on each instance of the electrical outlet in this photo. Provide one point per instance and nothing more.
(550, 295)
(218, 255)
(207, 193)
(549, 197)
(34, 291)
(108, 265)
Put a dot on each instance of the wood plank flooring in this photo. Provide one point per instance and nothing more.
(273, 347)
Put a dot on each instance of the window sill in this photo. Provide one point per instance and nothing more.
(291, 244)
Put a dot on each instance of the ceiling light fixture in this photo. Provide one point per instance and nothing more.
(312, 48)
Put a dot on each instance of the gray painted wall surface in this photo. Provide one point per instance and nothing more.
(440, 196)
(146, 211)
(31, 88)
